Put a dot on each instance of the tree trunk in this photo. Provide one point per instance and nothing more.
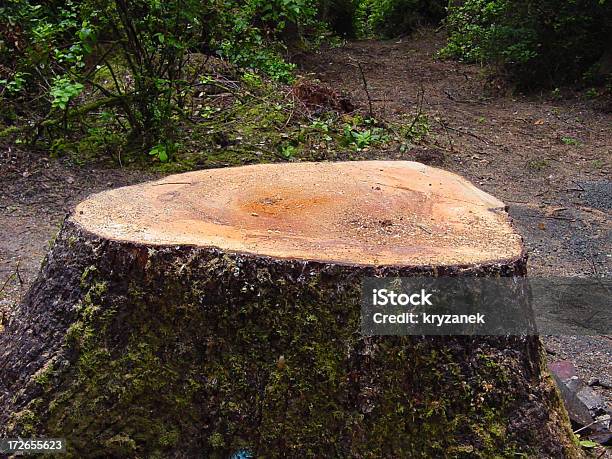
(219, 310)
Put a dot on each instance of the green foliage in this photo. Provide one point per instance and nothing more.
(161, 152)
(38, 42)
(135, 66)
(63, 90)
(288, 150)
(361, 136)
(154, 40)
(251, 33)
(252, 79)
(588, 444)
(570, 141)
(15, 84)
(415, 128)
(390, 18)
(360, 139)
(535, 42)
(134, 56)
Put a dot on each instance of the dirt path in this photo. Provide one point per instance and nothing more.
(548, 159)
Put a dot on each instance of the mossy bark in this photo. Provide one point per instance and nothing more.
(128, 350)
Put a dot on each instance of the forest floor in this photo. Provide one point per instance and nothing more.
(546, 156)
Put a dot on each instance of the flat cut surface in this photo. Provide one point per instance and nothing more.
(367, 213)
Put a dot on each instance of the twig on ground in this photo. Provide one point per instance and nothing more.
(471, 134)
(578, 187)
(420, 97)
(19, 274)
(465, 101)
(365, 85)
(423, 228)
(448, 136)
(559, 217)
(592, 423)
(11, 276)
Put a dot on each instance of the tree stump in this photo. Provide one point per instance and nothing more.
(219, 310)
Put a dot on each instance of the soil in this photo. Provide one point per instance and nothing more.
(547, 156)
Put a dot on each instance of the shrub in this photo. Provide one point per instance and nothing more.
(391, 18)
(253, 33)
(339, 16)
(535, 42)
(54, 53)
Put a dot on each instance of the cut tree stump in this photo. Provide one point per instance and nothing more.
(219, 310)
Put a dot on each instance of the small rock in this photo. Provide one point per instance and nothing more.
(575, 408)
(603, 438)
(563, 369)
(584, 406)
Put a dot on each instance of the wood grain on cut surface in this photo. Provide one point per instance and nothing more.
(369, 213)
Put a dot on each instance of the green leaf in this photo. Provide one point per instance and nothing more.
(588, 444)
(161, 152)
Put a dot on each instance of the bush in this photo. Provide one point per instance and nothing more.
(253, 33)
(54, 53)
(535, 42)
(391, 18)
(339, 16)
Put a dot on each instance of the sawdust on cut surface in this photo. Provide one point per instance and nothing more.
(368, 212)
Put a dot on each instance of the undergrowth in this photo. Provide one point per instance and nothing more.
(237, 117)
